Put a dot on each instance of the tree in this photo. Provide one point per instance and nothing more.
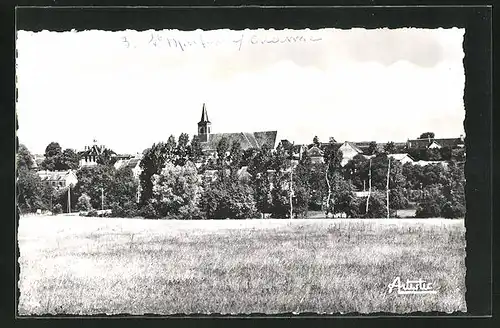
(169, 149)
(302, 185)
(222, 152)
(258, 167)
(413, 175)
(53, 149)
(24, 159)
(106, 157)
(356, 170)
(317, 186)
(228, 199)
(177, 192)
(433, 154)
(94, 181)
(390, 147)
(458, 154)
(235, 157)
(377, 205)
(196, 152)
(332, 158)
(122, 196)
(316, 141)
(181, 152)
(454, 191)
(29, 191)
(372, 148)
(152, 163)
(431, 203)
(83, 203)
(248, 155)
(69, 160)
(342, 194)
(53, 154)
(427, 135)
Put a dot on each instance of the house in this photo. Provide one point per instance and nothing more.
(316, 154)
(402, 157)
(364, 146)
(434, 143)
(90, 155)
(58, 179)
(37, 160)
(132, 163)
(209, 140)
(425, 163)
(349, 150)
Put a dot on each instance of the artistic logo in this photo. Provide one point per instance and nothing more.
(419, 286)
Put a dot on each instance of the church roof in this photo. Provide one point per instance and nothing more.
(204, 115)
(246, 139)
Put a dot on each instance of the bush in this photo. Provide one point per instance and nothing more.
(126, 210)
(92, 213)
(230, 199)
(148, 211)
(58, 209)
(453, 211)
(83, 203)
(429, 209)
(377, 207)
(432, 203)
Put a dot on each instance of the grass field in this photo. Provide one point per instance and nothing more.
(76, 265)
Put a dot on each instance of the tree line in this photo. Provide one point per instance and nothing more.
(178, 181)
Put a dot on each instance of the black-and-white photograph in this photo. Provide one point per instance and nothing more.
(241, 171)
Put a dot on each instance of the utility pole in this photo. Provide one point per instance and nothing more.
(291, 181)
(369, 186)
(387, 187)
(102, 199)
(69, 199)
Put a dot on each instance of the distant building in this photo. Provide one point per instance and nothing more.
(425, 163)
(435, 143)
(403, 158)
(209, 140)
(58, 179)
(316, 154)
(91, 154)
(131, 163)
(349, 150)
(37, 161)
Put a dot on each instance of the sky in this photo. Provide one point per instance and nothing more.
(130, 89)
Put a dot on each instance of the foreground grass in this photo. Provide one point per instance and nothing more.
(76, 265)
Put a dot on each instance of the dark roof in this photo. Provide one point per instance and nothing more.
(443, 142)
(365, 145)
(315, 152)
(246, 139)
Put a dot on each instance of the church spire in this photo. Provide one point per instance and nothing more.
(204, 115)
(204, 126)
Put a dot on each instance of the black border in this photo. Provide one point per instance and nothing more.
(478, 100)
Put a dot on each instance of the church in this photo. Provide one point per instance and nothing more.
(209, 140)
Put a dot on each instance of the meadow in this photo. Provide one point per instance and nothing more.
(83, 266)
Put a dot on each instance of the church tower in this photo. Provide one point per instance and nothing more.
(204, 125)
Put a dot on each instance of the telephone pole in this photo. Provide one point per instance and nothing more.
(102, 198)
(369, 186)
(387, 187)
(69, 199)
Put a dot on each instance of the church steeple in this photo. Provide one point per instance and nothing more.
(204, 125)
(204, 115)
